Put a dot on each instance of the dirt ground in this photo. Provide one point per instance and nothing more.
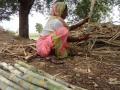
(98, 69)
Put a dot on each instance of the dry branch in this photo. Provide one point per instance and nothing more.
(107, 42)
(73, 27)
(106, 52)
(78, 39)
(114, 37)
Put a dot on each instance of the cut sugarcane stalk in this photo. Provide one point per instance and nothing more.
(4, 86)
(10, 68)
(8, 83)
(29, 67)
(46, 82)
(40, 72)
(22, 83)
(32, 77)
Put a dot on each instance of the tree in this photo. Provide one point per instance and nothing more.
(24, 10)
(79, 9)
(102, 8)
(9, 7)
(39, 27)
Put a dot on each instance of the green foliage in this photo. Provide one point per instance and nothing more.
(102, 8)
(60, 0)
(7, 8)
(39, 27)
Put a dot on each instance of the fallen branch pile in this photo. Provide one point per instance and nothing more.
(104, 42)
(19, 51)
(103, 35)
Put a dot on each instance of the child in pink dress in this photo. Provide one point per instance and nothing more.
(55, 33)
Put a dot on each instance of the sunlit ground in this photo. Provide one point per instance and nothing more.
(34, 36)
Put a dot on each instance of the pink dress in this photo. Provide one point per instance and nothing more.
(55, 40)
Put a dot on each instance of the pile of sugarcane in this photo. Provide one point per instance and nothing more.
(22, 76)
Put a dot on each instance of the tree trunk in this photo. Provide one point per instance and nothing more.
(23, 23)
(24, 9)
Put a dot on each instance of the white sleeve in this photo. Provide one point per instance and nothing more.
(51, 26)
(55, 24)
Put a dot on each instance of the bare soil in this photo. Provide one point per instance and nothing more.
(97, 69)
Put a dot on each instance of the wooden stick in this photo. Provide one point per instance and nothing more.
(21, 45)
(114, 37)
(94, 41)
(91, 10)
(73, 27)
(28, 58)
(78, 39)
(106, 52)
(107, 42)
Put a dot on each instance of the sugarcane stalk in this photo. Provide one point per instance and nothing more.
(33, 69)
(10, 68)
(13, 69)
(4, 86)
(42, 73)
(29, 67)
(3, 68)
(7, 83)
(20, 82)
(46, 82)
